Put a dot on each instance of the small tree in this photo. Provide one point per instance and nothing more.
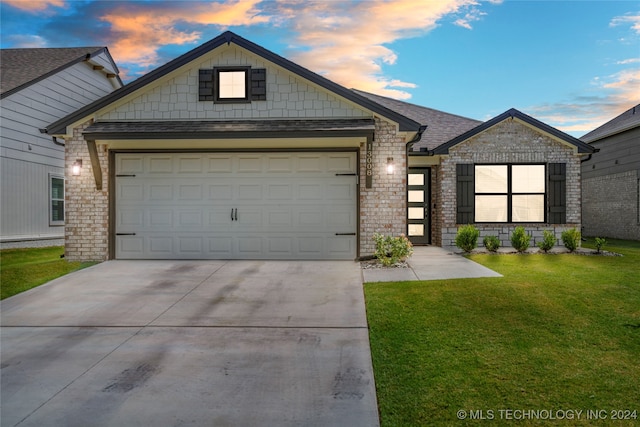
(467, 237)
(492, 243)
(520, 239)
(600, 242)
(571, 239)
(548, 240)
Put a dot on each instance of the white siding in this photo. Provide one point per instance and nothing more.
(28, 156)
(288, 95)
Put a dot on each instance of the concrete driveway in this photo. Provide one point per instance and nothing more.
(199, 343)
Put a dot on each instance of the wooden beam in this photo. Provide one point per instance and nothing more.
(95, 163)
(98, 67)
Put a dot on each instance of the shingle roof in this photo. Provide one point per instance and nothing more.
(625, 121)
(228, 128)
(405, 123)
(22, 67)
(441, 126)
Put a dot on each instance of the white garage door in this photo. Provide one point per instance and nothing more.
(236, 205)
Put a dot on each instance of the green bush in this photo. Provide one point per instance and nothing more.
(467, 237)
(600, 242)
(548, 240)
(390, 250)
(520, 239)
(571, 239)
(492, 243)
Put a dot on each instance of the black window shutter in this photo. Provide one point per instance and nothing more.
(258, 84)
(465, 194)
(557, 193)
(205, 88)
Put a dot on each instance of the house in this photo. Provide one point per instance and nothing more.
(37, 87)
(611, 179)
(231, 151)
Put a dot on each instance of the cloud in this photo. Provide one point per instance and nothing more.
(349, 42)
(587, 112)
(634, 20)
(27, 41)
(139, 31)
(34, 5)
(628, 61)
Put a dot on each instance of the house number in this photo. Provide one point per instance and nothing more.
(369, 165)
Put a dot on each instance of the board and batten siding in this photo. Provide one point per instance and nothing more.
(29, 157)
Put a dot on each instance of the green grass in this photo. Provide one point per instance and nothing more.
(23, 269)
(557, 332)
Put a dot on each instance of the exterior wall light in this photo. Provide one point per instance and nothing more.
(76, 167)
(390, 166)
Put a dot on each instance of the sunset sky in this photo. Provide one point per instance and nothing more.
(572, 64)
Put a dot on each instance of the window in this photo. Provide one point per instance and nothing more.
(56, 200)
(231, 84)
(510, 193)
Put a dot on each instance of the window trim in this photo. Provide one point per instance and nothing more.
(247, 87)
(509, 194)
(53, 222)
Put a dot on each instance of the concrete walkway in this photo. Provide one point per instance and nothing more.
(430, 263)
(199, 343)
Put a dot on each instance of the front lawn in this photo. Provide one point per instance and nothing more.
(557, 333)
(23, 269)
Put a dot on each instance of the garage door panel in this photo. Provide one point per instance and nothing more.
(235, 206)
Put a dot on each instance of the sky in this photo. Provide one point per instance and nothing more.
(571, 64)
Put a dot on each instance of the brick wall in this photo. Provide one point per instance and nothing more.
(87, 209)
(383, 207)
(509, 142)
(611, 206)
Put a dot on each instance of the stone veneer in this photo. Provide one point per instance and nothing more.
(508, 142)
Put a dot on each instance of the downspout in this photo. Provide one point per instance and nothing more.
(53, 138)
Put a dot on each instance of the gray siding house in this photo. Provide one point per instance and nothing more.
(39, 86)
(231, 151)
(611, 179)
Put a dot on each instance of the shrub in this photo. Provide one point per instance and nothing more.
(520, 239)
(492, 243)
(467, 237)
(571, 239)
(390, 250)
(600, 242)
(548, 240)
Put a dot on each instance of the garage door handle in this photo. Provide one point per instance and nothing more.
(125, 234)
(234, 214)
(345, 234)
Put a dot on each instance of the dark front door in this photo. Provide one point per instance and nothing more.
(418, 202)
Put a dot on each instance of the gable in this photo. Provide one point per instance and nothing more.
(176, 96)
(179, 67)
(534, 125)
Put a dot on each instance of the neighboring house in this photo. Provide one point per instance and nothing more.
(611, 179)
(231, 151)
(39, 86)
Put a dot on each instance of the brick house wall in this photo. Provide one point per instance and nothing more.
(613, 202)
(383, 207)
(509, 141)
(87, 209)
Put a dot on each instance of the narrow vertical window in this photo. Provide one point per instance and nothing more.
(56, 200)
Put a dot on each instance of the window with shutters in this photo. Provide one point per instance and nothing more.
(511, 193)
(232, 84)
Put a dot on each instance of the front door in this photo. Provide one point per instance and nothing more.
(418, 203)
